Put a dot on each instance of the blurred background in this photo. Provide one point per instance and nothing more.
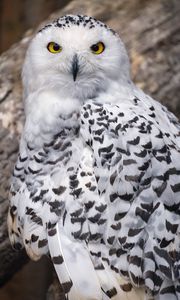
(16, 16)
(151, 31)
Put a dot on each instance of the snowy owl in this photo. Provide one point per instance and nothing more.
(97, 180)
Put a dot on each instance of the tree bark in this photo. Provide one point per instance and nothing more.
(151, 32)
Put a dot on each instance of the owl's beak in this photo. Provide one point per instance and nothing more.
(75, 66)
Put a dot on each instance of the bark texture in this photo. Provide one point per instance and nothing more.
(151, 32)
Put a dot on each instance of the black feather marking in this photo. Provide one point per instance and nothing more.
(42, 243)
(36, 219)
(89, 205)
(78, 220)
(38, 160)
(22, 159)
(142, 154)
(50, 144)
(105, 149)
(91, 122)
(110, 240)
(116, 226)
(13, 211)
(99, 131)
(148, 145)
(52, 232)
(67, 286)
(159, 135)
(99, 139)
(88, 185)
(127, 162)
(59, 191)
(173, 208)
(111, 293)
(118, 127)
(92, 188)
(146, 181)
(29, 147)
(77, 192)
(134, 178)
(99, 267)
(34, 238)
(34, 171)
(147, 206)
(143, 214)
(134, 120)
(102, 124)
(175, 188)
(168, 290)
(126, 287)
(171, 227)
(84, 236)
(152, 115)
(126, 197)
(145, 166)
(164, 243)
(97, 254)
(95, 236)
(150, 255)
(108, 156)
(66, 145)
(119, 216)
(102, 221)
(57, 260)
(18, 168)
(138, 281)
(58, 145)
(135, 260)
(120, 252)
(42, 154)
(166, 271)
(113, 177)
(74, 183)
(64, 216)
(113, 197)
(157, 280)
(77, 213)
(95, 219)
(101, 208)
(163, 149)
(163, 253)
(160, 189)
(134, 231)
(135, 141)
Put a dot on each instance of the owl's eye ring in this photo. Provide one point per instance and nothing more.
(54, 47)
(97, 48)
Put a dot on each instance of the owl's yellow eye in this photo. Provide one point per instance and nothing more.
(97, 48)
(54, 47)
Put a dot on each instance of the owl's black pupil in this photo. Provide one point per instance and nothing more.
(95, 47)
(56, 47)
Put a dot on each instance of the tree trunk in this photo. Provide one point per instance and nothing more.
(151, 32)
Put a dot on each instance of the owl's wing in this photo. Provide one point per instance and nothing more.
(136, 152)
(16, 198)
(39, 188)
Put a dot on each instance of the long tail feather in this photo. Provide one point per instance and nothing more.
(75, 266)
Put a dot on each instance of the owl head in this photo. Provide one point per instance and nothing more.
(77, 56)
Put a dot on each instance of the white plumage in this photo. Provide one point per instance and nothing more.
(97, 180)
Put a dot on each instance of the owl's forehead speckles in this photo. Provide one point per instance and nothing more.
(77, 20)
